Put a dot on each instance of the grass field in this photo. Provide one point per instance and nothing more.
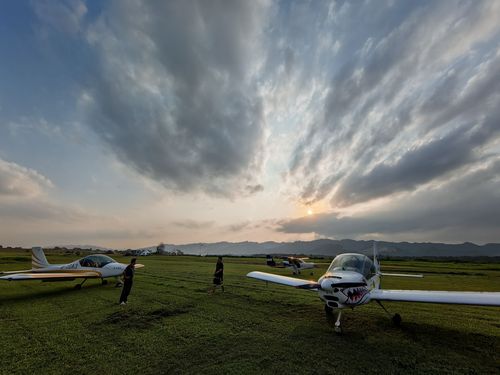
(172, 325)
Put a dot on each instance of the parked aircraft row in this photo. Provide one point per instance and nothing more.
(351, 280)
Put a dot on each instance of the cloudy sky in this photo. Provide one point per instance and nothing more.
(126, 123)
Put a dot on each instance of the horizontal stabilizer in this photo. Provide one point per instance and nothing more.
(284, 280)
(459, 298)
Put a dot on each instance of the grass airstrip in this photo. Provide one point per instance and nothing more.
(172, 325)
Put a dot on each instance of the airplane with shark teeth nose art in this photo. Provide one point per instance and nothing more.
(96, 266)
(354, 279)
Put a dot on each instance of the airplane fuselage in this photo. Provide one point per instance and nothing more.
(108, 270)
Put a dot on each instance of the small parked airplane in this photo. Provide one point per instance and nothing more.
(295, 264)
(354, 279)
(95, 266)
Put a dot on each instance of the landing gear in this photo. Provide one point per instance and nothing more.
(104, 282)
(338, 328)
(79, 286)
(330, 315)
(396, 318)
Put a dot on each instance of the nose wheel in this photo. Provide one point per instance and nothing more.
(338, 328)
(330, 315)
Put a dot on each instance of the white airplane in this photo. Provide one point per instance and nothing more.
(354, 279)
(298, 264)
(97, 266)
(295, 264)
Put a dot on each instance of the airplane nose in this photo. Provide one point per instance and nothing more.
(327, 284)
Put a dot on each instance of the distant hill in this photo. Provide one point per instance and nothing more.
(83, 247)
(326, 247)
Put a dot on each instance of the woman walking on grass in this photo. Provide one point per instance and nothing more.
(218, 275)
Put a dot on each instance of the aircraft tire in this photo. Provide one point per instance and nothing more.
(396, 319)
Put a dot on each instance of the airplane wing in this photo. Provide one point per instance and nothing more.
(284, 280)
(51, 276)
(459, 298)
(401, 274)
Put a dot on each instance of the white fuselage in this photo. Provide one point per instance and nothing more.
(109, 270)
(300, 265)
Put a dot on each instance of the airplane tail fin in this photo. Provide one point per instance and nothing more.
(38, 259)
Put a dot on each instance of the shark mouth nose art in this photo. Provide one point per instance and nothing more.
(354, 295)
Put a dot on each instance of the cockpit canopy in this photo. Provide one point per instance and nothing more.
(97, 261)
(353, 262)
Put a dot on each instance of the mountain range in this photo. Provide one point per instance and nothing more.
(328, 247)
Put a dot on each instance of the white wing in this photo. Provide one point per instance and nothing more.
(284, 280)
(459, 298)
(52, 276)
(401, 274)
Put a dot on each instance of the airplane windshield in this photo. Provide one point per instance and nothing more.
(353, 262)
(96, 261)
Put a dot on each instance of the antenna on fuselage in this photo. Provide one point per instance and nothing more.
(375, 259)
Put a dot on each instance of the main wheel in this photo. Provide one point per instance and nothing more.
(78, 286)
(396, 319)
(104, 282)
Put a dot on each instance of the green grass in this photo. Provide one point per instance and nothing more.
(172, 325)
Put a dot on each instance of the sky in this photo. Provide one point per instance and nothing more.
(128, 123)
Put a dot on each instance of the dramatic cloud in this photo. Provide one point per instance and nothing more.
(174, 94)
(409, 106)
(446, 213)
(380, 117)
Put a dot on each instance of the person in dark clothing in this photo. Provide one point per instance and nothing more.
(128, 278)
(219, 275)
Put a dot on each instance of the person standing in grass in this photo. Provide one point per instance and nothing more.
(219, 275)
(128, 278)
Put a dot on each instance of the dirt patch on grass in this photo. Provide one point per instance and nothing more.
(142, 319)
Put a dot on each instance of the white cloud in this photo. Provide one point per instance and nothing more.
(174, 95)
(17, 181)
